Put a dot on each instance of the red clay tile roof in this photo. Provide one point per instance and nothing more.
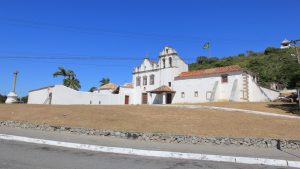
(217, 70)
(161, 89)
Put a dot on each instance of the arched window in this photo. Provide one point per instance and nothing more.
(151, 79)
(164, 62)
(170, 62)
(138, 81)
(145, 80)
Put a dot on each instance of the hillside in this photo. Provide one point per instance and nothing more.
(272, 65)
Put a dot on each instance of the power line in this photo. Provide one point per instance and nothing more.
(120, 33)
(128, 34)
(81, 57)
(68, 58)
(72, 63)
(72, 60)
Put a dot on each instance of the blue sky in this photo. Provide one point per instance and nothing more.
(111, 37)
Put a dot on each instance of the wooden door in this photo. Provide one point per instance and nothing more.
(126, 99)
(169, 98)
(144, 98)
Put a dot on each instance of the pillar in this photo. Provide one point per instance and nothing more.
(15, 81)
(12, 96)
(164, 98)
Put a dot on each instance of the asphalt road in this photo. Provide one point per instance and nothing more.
(19, 155)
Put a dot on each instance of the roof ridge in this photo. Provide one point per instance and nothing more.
(217, 68)
(210, 71)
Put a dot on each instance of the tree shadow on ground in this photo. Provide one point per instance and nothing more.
(292, 108)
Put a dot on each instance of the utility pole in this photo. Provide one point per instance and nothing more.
(294, 43)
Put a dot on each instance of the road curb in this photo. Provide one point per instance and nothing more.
(152, 153)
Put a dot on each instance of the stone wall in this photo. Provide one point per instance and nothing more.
(160, 137)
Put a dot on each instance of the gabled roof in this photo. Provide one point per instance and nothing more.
(211, 71)
(161, 89)
(109, 86)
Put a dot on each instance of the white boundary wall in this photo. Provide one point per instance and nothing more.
(62, 95)
(260, 94)
(39, 96)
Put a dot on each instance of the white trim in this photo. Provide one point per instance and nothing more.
(152, 153)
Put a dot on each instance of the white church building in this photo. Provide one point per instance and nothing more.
(167, 81)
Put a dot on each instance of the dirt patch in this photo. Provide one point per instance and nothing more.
(273, 107)
(156, 119)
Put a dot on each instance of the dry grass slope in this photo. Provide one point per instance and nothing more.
(156, 119)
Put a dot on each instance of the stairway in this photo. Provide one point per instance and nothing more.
(245, 87)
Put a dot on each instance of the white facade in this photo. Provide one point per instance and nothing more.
(208, 88)
(40, 96)
(164, 72)
(165, 82)
(240, 87)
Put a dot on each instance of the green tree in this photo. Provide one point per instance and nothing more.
(23, 99)
(202, 59)
(104, 81)
(69, 76)
(2, 98)
(92, 89)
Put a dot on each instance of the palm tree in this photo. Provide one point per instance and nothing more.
(70, 79)
(61, 72)
(72, 82)
(104, 81)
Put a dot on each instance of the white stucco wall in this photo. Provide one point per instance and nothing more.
(205, 84)
(65, 95)
(39, 96)
(62, 95)
(127, 92)
(105, 91)
(272, 94)
(260, 94)
(224, 91)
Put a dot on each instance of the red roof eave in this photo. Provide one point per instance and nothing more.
(203, 72)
